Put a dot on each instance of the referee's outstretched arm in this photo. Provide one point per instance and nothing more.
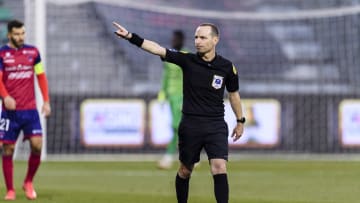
(147, 45)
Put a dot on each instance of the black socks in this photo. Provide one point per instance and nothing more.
(182, 189)
(221, 188)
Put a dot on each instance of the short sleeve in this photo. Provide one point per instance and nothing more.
(232, 82)
(177, 57)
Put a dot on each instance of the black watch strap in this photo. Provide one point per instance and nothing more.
(241, 120)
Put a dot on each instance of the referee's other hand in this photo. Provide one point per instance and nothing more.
(237, 132)
(121, 31)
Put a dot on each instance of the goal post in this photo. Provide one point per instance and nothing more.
(35, 24)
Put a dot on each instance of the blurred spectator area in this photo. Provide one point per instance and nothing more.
(5, 16)
(86, 58)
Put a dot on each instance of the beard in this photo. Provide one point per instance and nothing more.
(17, 44)
(202, 52)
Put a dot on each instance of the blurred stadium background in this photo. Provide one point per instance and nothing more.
(300, 55)
(298, 62)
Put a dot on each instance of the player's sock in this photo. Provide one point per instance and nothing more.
(8, 168)
(33, 165)
(221, 188)
(182, 189)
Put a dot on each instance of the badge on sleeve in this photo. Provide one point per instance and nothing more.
(217, 81)
(234, 70)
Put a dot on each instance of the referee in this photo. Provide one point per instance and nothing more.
(205, 76)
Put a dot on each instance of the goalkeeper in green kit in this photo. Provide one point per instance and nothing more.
(171, 90)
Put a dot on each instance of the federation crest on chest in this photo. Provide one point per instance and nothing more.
(30, 58)
(217, 81)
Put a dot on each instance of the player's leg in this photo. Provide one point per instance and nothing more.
(8, 170)
(9, 131)
(175, 106)
(33, 165)
(216, 147)
(32, 132)
(172, 146)
(34, 158)
(182, 182)
(221, 185)
(167, 160)
(190, 145)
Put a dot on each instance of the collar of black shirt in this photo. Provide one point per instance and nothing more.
(208, 62)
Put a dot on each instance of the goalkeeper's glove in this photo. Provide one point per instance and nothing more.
(161, 96)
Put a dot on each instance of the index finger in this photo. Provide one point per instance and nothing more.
(117, 25)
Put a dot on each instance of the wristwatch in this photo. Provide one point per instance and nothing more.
(241, 120)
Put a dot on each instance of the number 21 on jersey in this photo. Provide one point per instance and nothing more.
(4, 124)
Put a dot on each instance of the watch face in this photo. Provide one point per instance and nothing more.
(241, 120)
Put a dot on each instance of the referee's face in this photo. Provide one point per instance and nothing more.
(205, 41)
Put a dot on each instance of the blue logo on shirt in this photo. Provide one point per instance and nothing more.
(217, 81)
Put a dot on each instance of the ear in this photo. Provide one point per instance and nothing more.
(216, 40)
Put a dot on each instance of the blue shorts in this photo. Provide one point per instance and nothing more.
(12, 122)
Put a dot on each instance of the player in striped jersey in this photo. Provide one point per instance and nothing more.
(18, 65)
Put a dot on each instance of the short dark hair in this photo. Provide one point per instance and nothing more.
(179, 34)
(214, 29)
(14, 24)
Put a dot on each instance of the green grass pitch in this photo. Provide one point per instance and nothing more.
(257, 181)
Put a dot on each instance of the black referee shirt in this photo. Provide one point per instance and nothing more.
(204, 82)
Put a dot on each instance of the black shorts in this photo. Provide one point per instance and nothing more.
(196, 133)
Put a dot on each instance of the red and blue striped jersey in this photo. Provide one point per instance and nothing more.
(18, 67)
